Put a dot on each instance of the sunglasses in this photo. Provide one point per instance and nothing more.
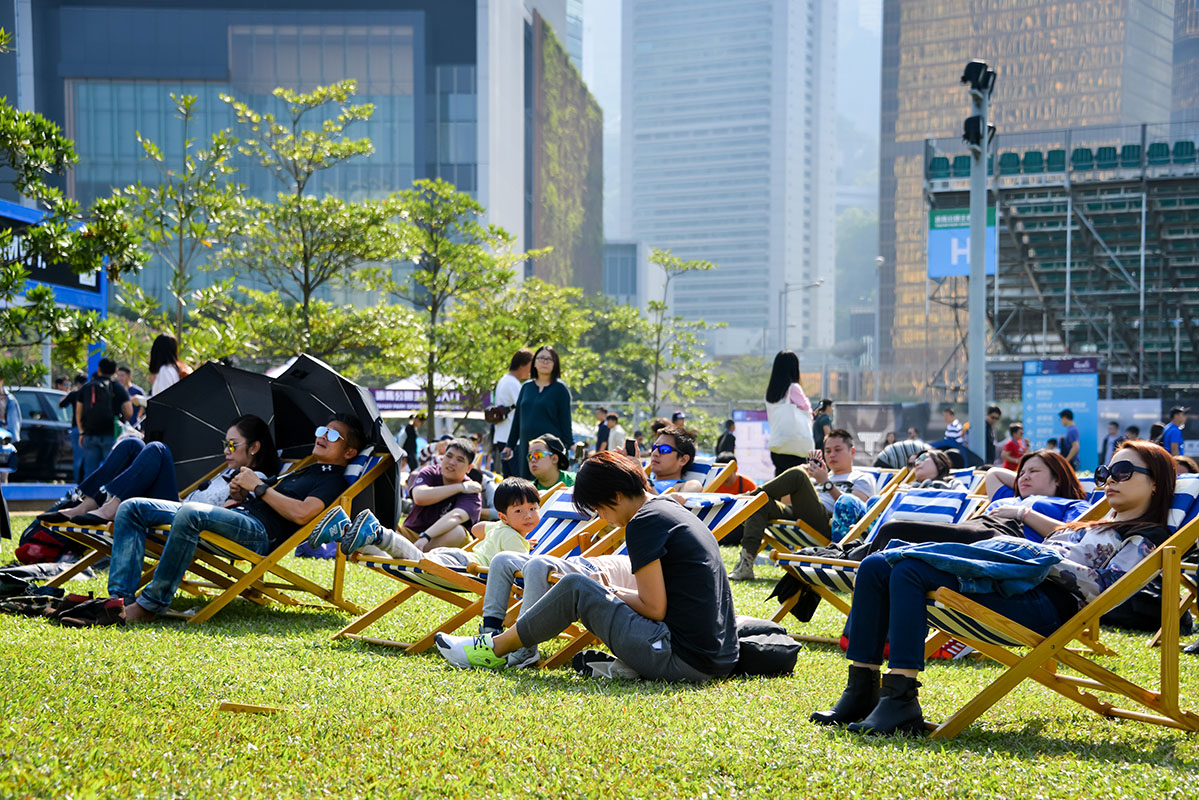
(537, 455)
(231, 446)
(1118, 472)
(661, 449)
(921, 457)
(329, 434)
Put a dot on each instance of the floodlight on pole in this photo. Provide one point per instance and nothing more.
(978, 133)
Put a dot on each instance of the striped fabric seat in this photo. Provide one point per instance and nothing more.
(927, 505)
(1186, 501)
(560, 521)
(963, 626)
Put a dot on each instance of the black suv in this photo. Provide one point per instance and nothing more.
(44, 452)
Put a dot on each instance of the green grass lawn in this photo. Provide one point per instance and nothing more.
(133, 713)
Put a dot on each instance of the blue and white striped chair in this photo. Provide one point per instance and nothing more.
(830, 578)
(789, 535)
(954, 614)
(561, 531)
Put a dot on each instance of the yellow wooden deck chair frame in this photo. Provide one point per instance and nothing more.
(462, 590)
(992, 634)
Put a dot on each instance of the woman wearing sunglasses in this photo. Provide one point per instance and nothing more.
(1048, 494)
(930, 470)
(1088, 557)
(548, 462)
(137, 469)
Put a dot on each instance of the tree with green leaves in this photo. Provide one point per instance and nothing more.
(613, 356)
(679, 367)
(459, 263)
(527, 314)
(298, 243)
(31, 148)
(182, 216)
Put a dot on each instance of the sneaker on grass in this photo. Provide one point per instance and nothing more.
(330, 528)
(525, 657)
(469, 652)
(598, 664)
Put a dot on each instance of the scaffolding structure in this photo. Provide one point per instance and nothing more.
(1098, 250)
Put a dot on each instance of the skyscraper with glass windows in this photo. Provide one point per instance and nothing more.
(727, 156)
(1060, 65)
(447, 79)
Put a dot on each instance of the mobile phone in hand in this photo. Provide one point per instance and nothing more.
(630, 447)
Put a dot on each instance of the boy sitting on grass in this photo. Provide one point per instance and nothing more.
(676, 625)
(516, 503)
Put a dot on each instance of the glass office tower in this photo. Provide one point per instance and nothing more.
(1060, 64)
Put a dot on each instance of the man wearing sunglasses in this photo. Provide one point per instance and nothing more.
(670, 454)
(270, 513)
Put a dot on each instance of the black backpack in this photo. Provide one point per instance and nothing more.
(764, 648)
(97, 417)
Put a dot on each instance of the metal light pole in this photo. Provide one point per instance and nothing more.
(981, 79)
(878, 274)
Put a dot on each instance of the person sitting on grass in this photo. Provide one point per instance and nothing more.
(535, 571)
(516, 502)
(889, 597)
(829, 496)
(445, 502)
(138, 469)
(268, 516)
(671, 454)
(548, 462)
(676, 625)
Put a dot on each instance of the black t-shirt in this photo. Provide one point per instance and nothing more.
(119, 398)
(325, 481)
(727, 443)
(818, 429)
(699, 602)
(601, 435)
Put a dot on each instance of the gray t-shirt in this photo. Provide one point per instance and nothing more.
(847, 482)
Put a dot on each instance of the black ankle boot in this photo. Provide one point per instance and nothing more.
(859, 699)
(898, 709)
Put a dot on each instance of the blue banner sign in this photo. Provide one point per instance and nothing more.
(1050, 387)
(949, 243)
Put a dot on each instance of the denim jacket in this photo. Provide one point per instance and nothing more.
(1005, 565)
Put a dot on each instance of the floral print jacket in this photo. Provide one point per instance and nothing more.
(1095, 558)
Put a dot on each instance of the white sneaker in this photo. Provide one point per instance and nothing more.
(467, 652)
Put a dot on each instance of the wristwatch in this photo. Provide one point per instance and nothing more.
(260, 490)
(827, 486)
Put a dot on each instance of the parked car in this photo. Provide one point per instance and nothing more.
(44, 452)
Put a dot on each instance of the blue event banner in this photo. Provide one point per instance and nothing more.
(1049, 387)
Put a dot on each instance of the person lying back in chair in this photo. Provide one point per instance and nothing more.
(270, 514)
(671, 454)
(516, 502)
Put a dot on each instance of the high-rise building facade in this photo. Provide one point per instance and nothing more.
(1186, 61)
(1060, 64)
(728, 156)
(447, 79)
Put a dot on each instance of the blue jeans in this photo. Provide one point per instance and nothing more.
(76, 455)
(133, 521)
(95, 450)
(134, 469)
(889, 602)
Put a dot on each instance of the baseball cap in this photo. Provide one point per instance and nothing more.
(1179, 410)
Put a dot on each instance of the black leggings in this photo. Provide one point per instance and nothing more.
(783, 462)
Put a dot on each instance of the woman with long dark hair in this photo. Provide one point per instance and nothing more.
(543, 406)
(165, 367)
(137, 469)
(788, 413)
(1043, 474)
(889, 593)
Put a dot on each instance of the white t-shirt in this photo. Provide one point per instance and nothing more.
(616, 437)
(847, 482)
(166, 377)
(217, 490)
(506, 392)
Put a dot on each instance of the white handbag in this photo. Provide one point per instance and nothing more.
(790, 429)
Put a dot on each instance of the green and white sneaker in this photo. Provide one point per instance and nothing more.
(469, 652)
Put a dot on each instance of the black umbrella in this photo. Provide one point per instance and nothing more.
(306, 395)
(192, 416)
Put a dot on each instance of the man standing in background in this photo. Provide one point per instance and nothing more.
(506, 392)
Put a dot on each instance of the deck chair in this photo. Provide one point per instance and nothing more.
(97, 539)
(560, 532)
(710, 475)
(1185, 508)
(720, 513)
(831, 578)
(992, 634)
(789, 535)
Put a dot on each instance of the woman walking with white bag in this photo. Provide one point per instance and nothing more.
(789, 414)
